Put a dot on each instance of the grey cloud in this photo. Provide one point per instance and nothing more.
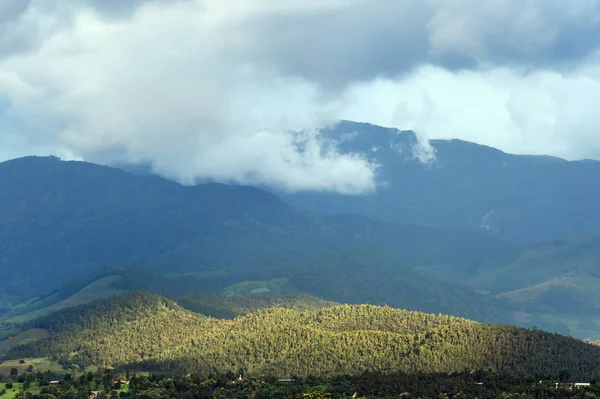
(386, 38)
(335, 47)
(119, 8)
(12, 9)
(14, 37)
(341, 42)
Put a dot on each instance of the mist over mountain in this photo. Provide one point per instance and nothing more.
(457, 183)
(518, 198)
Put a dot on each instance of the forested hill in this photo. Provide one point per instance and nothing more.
(60, 220)
(144, 331)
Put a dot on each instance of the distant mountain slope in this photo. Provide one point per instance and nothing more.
(556, 284)
(370, 275)
(518, 198)
(229, 307)
(97, 284)
(142, 331)
(61, 220)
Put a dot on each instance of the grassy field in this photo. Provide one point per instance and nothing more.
(9, 364)
(40, 364)
(11, 393)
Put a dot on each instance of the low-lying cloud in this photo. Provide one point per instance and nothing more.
(236, 91)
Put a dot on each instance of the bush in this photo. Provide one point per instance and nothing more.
(9, 385)
(21, 361)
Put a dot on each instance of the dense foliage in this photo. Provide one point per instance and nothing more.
(482, 384)
(143, 331)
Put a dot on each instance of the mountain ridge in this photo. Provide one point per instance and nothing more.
(523, 198)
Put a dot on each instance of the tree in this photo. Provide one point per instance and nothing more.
(14, 373)
(564, 375)
(75, 372)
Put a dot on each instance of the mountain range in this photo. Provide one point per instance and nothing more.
(474, 232)
(519, 198)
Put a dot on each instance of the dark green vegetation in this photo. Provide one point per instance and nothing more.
(556, 285)
(474, 384)
(59, 220)
(518, 198)
(139, 331)
(229, 307)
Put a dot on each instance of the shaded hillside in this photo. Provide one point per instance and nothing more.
(145, 331)
(61, 220)
(555, 284)
(229, 307)
(370, 275)
(518, 198)
(97, 284)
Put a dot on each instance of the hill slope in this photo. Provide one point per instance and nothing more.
(145, 331)
(518, 198)
(556, 284)
(60, 220)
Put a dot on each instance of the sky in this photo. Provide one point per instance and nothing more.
(236, 90)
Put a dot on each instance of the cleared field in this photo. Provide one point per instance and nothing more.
(9, 364)
(40, 364)
(277, 286)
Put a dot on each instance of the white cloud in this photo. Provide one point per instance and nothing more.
(540, 112)
(212, 88)
(167, 87)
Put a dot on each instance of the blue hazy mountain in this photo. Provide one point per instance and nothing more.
(515, 197)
